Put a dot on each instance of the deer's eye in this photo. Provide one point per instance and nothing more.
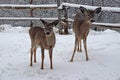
(50, 28)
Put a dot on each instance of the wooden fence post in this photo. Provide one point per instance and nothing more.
(66, 17)
(31, 13)
(65, 20)
(59, 17)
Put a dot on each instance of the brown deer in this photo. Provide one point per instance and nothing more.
(81, 26)
(44, 38)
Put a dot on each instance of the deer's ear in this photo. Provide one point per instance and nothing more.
(83, 9)
(98, 10)
(55, 22)
(43, 21)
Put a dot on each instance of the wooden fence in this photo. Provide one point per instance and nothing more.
(59, 7)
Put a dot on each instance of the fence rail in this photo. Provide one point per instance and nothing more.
(26, 18)
(106, 25)
(71, 5)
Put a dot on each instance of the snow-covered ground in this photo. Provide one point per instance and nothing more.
(103, 50)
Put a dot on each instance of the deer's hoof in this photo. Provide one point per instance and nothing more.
(80, 50)
(51, 68)
(42, 68)
(30, 65)
(35, 61)
(87, 59)
(71, 60)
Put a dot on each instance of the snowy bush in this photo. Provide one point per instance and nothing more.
(2, 28)
(10, 28)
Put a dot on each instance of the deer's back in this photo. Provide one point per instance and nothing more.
(80, 25)
(35, 31)
(37, 36)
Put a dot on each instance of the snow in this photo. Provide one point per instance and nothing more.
(103, 50)
(112, 9)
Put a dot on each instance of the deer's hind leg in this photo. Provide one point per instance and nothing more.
(85, 47)
(31, 56)
(79, 46)
(35, 55)
(42, 56)
(76, 43)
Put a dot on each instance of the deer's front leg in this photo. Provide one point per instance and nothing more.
(50, 56)
(42, 56)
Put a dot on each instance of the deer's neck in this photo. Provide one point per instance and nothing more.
(50, 40)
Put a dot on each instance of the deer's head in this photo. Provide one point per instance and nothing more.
(48, 26)
(90, 13)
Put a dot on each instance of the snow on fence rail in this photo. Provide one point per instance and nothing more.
(107, 25)
(25, 18)
(28, 6)
(54, 6)
(32, 18)
(111, 9)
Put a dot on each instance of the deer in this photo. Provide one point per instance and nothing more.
(43, 37)
(81, 26)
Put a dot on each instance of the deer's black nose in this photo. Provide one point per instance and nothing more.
(92, 20)
(47, 33)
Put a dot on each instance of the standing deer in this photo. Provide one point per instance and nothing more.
(44, 38)
(81, 26)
